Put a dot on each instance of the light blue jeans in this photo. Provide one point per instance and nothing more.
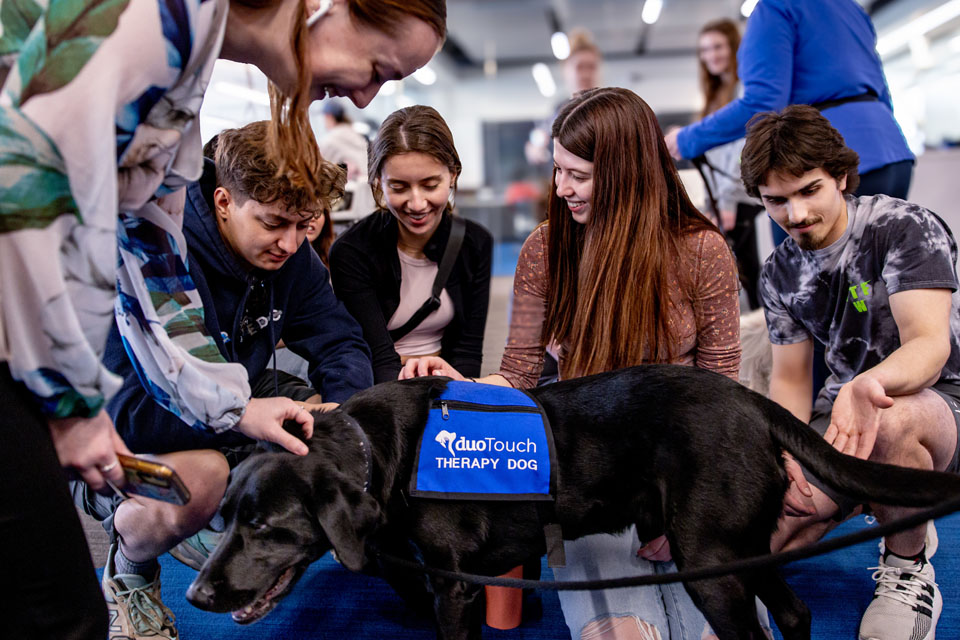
(668, 607)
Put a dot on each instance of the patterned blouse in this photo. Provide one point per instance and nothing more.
(709, 325)
(99, 132)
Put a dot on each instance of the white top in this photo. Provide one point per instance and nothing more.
(416, 282)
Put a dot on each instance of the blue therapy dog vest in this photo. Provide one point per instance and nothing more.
(484, 442)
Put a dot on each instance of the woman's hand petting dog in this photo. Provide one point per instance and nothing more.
(264, 418)
(657, 550)
(428, 366)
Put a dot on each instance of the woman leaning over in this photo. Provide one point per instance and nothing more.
(99, 107)
(625, 271)
(384, 267)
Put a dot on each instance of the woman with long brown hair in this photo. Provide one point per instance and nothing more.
(625, 271)
(734, 210)
(100, 135)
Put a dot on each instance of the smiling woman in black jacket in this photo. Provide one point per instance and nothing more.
(383, 268)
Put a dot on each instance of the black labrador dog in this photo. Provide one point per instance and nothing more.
(668, 448)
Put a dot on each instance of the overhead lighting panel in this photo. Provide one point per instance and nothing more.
(544, 80)
(651, 11)
(903, 35)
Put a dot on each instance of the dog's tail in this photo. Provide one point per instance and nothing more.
(859, 479)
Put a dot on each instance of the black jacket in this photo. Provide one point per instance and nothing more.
(365, 270)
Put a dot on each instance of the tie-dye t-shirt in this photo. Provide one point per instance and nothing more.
(840, 295)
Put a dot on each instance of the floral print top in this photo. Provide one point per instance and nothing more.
(99, 132)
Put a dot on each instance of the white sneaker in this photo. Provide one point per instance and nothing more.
(906, 603)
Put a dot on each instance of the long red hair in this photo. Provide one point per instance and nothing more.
(608, 298)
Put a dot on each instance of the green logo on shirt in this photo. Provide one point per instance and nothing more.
(857, 292)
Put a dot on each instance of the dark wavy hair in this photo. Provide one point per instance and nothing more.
(794, 141)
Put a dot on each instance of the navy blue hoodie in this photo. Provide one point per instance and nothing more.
(305, 314)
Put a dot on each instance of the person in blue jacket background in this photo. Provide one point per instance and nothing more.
(260, 283)
(822, 54)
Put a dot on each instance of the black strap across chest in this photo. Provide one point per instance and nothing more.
(457, 230)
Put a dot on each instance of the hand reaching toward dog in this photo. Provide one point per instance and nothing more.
(657, 550)
(798, 500)
(264, 418)
(856, 416)
(428, 366)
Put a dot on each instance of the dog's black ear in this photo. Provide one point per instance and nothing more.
(348, 523)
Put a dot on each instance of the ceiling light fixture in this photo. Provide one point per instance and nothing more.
(901, 36)
(544, 80)
(425, 75)
(560, 45)
(389, 88)
(490, 58)
(651, 11)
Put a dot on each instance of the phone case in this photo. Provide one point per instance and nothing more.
(153, 480)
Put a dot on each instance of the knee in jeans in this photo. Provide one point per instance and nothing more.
(628, 627)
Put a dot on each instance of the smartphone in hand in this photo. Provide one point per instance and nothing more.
(152, 480)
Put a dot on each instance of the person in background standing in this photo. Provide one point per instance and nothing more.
(733, 210)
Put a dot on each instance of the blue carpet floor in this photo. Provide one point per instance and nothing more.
(333, 603)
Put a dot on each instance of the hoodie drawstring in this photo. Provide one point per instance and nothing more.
(273, 343)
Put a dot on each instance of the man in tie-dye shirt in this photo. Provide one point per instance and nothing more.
(874, 279)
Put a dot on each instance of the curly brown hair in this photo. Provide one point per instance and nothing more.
(247, 169)
(794, 141)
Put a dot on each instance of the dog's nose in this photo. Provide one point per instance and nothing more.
(200, 594)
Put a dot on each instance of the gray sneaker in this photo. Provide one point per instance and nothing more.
(195, 550)
(134, 605)
(906, 603)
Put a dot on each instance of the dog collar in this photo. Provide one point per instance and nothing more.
(364, 447)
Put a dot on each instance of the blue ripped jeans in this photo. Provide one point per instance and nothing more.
(668, 607)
